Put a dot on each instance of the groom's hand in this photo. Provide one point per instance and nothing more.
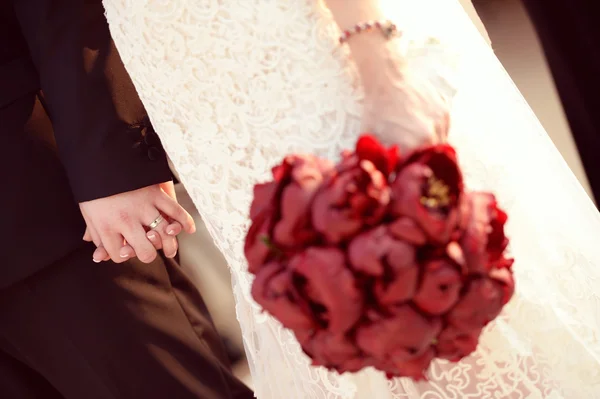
(123, 217)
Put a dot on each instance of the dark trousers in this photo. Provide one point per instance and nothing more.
(569, 31)
(80, 330)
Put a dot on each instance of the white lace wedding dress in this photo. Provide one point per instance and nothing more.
(233, 85)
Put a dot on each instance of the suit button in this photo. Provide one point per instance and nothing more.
(150, 138)
(153, 153)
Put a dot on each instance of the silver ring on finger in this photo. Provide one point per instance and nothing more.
(156, 222)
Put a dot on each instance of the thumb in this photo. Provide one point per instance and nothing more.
(169, 189)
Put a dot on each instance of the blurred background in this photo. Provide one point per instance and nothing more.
(505, 25)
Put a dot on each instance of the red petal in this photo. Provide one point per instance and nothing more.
(273, 290)
(370, 149)
(283, 169)
(393, 157)
(440, 288)
(331, 284)
(443, 162)
(255, 249)
(264, 194)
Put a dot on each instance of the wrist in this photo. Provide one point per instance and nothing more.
(379, 62)
(368, 48)
(350, 14)
(371, 51)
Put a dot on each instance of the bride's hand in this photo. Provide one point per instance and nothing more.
(123, 216)
(127, 252)
(400, 107)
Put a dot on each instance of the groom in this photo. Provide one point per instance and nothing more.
(73, 130)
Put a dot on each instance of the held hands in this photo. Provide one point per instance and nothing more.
(118, 224)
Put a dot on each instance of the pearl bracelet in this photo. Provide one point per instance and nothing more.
(386, 27)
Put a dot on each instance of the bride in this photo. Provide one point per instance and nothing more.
(232, 86)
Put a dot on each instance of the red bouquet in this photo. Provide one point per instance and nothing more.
(379, 260)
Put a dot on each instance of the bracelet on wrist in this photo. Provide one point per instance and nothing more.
(387, 28)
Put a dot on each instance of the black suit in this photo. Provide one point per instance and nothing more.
(66, 50)
(570, 34)
(73, 129)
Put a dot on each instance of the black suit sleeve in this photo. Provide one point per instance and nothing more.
(105, 140)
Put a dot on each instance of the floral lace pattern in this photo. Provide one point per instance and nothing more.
(233, 85)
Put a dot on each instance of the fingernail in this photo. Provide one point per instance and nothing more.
(96, 260)
(124, 255)
(152, 236)
(171, 232)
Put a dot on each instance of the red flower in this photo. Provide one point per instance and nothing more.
(334, 351)
(404, 336)
(483, 241)
(325, 282)
(273, 289)
(257, 248)
(406, 229)
(372, 274)
(428, 189)
(454, 344)
(483, 300)
(384, 159)
(354, 197)
(379, 253)
(280, 210)
(414, 368)
(440, 287)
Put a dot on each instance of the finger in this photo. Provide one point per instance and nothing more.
(92, 231)
(172, 209)
(87, 236)
(126, 252)
(100, 254)
(113, 242)
(170, 247)
(144, 250)
(174, 229)
(155, 233)
(169, 243)
(169, 189)
(95, 237)
(160, 237)
(155, 239)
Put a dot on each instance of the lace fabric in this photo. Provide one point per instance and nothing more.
(233, 85)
